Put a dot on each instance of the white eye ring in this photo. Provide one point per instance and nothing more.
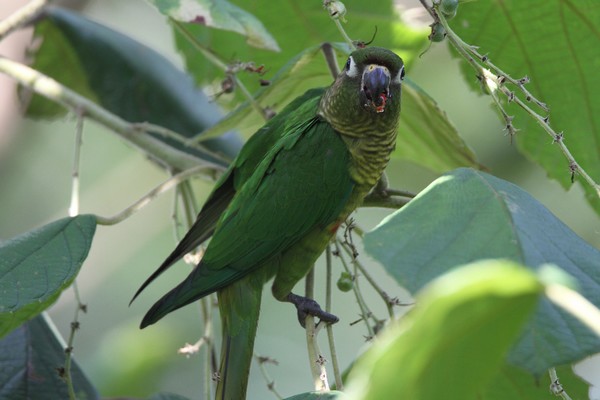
(399, 76)
(351, 68)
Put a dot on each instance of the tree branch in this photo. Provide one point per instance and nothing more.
(21, 17)
(167, 156)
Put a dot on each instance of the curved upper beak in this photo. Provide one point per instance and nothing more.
(376, 83)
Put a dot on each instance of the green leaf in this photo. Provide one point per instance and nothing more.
(426, 136)
(453, 342)
(219, 14)
(555, 43)
(515, 384)
(37, 266)
(466, 216)
(29, 358)
(332, 395)
(310, 24)
(128, 79)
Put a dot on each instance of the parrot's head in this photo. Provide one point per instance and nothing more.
(379, 73)
(367, 89)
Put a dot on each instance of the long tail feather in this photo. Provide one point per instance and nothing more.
(239, 305)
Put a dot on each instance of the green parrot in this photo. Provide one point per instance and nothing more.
(282, 199)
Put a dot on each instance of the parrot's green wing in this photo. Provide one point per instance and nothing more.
(240, 170)
(302, 183)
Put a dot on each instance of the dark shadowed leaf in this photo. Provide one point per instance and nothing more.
(453, 342)
(128, 79)
(37, 266)
(466, 216)
(556, 44)
(30, 357)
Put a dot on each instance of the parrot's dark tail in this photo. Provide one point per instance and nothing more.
(239, 305)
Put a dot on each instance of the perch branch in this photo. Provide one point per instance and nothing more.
(168, 156)
(21, 17)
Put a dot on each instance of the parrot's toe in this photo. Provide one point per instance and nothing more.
(306, 307)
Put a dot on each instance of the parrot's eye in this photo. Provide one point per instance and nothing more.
(351, 69)
(400, 75)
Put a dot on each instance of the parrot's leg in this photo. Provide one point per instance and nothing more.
(306, 307)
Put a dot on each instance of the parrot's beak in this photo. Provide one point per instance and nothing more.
(375, 85)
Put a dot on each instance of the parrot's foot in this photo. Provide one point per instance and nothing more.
(306, 307)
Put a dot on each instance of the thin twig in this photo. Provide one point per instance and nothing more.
(496, 80)
(365, 312)
(555, 387)
(21, 17)
(73, 211)
(339, 384)
(69, 349)
(139, 204)
(215, 60)
(168, 156)
(337, 11)
(74, 204)
(389, 302)
(188, 203)
(263, 370)
(330, 59)
(315, 359)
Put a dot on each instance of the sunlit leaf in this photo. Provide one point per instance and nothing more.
(455, 339)
(219, 14)
(298, 25)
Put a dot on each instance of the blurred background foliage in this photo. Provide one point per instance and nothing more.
(35, 176)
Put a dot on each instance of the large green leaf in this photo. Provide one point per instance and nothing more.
(556, 44)
(310, 25)
(219, 14)
(426, 136)
(127, 78)
(454, 340)
(29, 358)
(37, 266)
(466, 216)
